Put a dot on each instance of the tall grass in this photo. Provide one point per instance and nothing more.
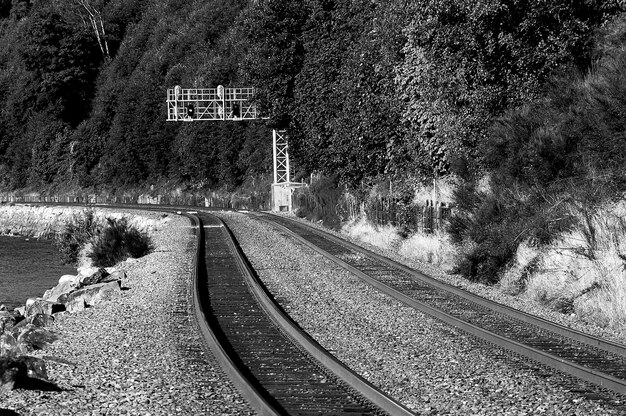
(582, 273)
(89, 239)
(117, 242)
(385, 237)
(433, 248)
(78, 230)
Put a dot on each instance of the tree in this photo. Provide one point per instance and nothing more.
(20, 9)
(346, 112)
(273, 31)
(51, 151)
(64, 63)
(547, 159)
(468, 62)
(90, 14)
(5, 9)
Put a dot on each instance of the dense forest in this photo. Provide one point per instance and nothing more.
(528, 93)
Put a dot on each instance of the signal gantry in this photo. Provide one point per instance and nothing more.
(234, 104)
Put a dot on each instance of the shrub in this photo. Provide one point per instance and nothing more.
(582, 272)
(567, 149)
(77, 232)
(319, 202)
(117, 242)
(492, 224)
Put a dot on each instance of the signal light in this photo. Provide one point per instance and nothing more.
(236, 110)
(191, 110)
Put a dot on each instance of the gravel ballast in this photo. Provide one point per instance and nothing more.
(138, 354)
(430, 367)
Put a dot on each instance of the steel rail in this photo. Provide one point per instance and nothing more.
(201, 310)
(312, 347)
(594, 376)
(554, 327)
(207, 324)
(605, 345)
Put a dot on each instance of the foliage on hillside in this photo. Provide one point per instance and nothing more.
(553, 163)
(367, 89)
(73, 114)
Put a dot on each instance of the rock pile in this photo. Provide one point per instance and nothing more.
(23, 330)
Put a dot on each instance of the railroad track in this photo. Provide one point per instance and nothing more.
(277, 367)
(584, 357)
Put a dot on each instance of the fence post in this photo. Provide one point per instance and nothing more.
(428, 217)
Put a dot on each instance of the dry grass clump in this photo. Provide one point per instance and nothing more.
(428, 248)
(583, 272)
(384, 237)
(433, 248)
(103, 239)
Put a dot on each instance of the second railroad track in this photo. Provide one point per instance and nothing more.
(579, 355)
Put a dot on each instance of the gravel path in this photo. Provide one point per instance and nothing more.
(138, 354)
(430, 367)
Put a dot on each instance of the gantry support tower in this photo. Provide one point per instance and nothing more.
(234, 104)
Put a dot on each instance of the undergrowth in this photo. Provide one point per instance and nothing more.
(434, 248)
(583, 272)
(117, 242)
(79, 230)
(318, 202)
(107, 242)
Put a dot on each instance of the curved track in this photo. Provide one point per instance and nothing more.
(276, 366)
(585, 357)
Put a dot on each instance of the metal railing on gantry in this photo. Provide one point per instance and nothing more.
(210, 104)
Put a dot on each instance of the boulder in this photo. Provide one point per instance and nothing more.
(40, 320)
(36, 368)
(69, 278)
(65, 286)
(76, 304)
(116, 275)
(42, 306)
(94, 278)
(92, 294)
(36, 338)
(9, 319)
(12, 371)
(5, 319)
(16, 328)
(8, 343)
